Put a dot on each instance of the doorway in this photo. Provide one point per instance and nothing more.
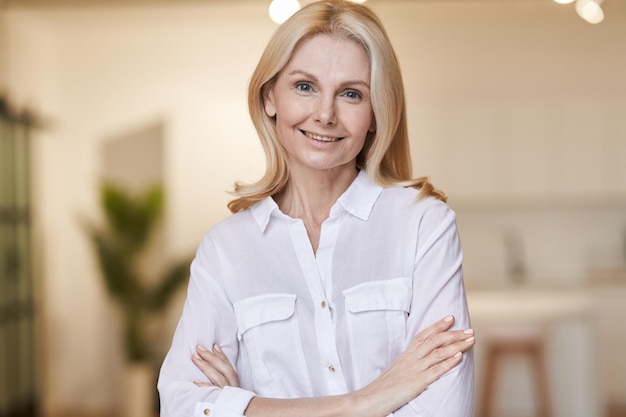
(18, 393)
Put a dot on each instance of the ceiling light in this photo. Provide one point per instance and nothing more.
(281, 10)
(590, 10)
(564, 1)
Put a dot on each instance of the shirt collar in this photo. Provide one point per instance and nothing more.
(358, 200)
(262, 210)
(360, 197)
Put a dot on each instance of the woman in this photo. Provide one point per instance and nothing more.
(323, 287)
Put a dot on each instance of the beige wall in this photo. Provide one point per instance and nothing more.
(502, 112)
(4, 53)
(98, 74)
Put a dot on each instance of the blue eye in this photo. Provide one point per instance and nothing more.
(304, 87)
(354, 95)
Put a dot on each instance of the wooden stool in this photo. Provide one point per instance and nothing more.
(528, 343)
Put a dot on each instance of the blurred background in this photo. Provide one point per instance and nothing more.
(517, 110)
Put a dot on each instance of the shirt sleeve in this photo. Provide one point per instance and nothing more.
(207, 318)
(438, 291)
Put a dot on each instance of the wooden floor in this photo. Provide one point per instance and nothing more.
(614, 412)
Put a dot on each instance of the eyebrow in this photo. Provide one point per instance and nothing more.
(313, 77)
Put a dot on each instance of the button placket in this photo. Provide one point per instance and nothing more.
(327, 343)
(317, 270)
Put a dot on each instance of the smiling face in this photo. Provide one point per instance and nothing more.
(321, 101)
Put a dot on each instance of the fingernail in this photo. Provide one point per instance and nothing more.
(202, 348)
(470, 340)
(468, 331)
(456, 355)
(217, 348)
(195, 355)
(448, 319)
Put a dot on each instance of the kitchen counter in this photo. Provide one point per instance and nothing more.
(565, 319)
(528, 305)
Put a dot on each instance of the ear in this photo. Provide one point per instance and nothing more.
(268, 104)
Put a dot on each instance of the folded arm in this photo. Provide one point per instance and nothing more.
(438, 289)
(431, 354)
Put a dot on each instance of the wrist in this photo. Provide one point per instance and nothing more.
(365, 403)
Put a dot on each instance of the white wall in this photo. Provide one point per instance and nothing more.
(499, 107)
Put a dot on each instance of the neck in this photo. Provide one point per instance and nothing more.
(310, 196)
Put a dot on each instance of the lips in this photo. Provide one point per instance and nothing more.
(320, 138)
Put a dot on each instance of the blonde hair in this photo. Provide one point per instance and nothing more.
(385, 156)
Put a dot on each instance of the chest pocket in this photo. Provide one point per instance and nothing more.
(269, 334)
(376, 314)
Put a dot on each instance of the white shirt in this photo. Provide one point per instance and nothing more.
(299, 324)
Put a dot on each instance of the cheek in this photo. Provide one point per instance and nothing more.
(289, 116)
(286, 126)
(363, 122)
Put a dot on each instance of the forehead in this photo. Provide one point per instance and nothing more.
(325, 51)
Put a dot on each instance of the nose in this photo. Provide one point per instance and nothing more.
(325, 112)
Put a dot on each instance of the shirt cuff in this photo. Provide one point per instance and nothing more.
(231, 402)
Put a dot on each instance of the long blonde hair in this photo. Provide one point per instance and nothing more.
(385, 156)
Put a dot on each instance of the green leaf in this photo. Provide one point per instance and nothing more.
(117, 268)
(173, 278)
(130, 219)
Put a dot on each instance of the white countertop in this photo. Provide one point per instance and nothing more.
(528, 305)
(559, 316)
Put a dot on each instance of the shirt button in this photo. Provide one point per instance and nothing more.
(331, 368)
(323, 304)
(207, 411)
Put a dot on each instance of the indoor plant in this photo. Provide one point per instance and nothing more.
(130, 222)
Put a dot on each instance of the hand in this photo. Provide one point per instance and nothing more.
(215, 365)
(431, 354)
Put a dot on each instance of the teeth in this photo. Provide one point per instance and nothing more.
(321, 138)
